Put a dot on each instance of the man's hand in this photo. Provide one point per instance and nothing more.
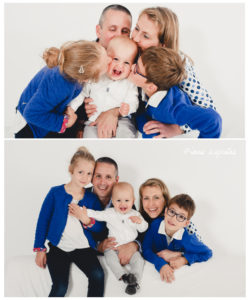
(126, 251)
(164, 130)
(167, 273)
(124, 109)
(178, 262)
(72, 117)
(90, 109)
(41, 259)
(107, 123)
(108, 243)
(136, 219)
(167, 255)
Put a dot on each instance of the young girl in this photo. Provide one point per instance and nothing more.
(43, 102)
(68, 240)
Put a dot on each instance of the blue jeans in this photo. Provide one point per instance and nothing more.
(59, 261)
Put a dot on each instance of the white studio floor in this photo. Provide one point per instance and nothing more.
(222, 276)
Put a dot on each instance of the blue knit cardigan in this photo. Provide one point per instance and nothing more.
(44, 101)
(193, 249)
(53, 216)
(176, 108)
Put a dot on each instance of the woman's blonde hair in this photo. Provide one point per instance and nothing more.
(151, 182)
(76, 60)
(81, 153)
(167, 23)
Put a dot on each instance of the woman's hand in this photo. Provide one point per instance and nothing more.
(164, 130)
(90, 109)
(167, 255)
(41, 259)
(178, 262)
(107, 123)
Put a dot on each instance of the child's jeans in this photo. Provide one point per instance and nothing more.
(59, 261)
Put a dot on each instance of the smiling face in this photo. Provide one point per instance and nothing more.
(172, 224)
(145, 33)
(153, 201)
(103, 180)
(122, 52)
(123, 198)
(114, 23)
(81, 173)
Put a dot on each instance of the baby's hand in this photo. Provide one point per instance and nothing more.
(167, 274)
(178, 262)
(124, 109)
(135, 219)
(72, 117)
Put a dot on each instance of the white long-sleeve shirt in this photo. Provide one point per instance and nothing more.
(119, 225)
(108, 94)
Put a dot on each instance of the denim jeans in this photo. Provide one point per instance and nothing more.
(59, 261)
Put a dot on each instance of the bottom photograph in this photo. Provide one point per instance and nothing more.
(99, 218)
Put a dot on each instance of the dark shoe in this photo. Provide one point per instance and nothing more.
(125, 278)
(131, 289)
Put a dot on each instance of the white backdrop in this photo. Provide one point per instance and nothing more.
(211, 33)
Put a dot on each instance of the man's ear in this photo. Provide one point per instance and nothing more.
(151, 88)
(117, 179)
(98, 30)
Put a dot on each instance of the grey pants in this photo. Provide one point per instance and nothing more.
(125, 129)
(136, 264)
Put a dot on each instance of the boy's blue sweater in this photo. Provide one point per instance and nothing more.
(44, 101)
(193, 250)
(176, 108)
(53, 216)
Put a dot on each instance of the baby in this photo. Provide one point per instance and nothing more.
(123, 223)
(113, 90)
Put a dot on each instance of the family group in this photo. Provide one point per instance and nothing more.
(81, 223)
(120, 86)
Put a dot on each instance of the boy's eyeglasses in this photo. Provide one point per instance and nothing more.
(180, 218)
(136, 71)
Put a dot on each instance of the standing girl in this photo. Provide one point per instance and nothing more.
(68, 240)
(44, 101)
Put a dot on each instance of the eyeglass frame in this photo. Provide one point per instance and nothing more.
(175, 214)
(135, 71)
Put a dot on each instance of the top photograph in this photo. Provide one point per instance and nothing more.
(135, 70)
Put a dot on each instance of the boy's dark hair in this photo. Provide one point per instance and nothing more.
(117, 7)
(108, 160)
(183, 201)
(164, 67)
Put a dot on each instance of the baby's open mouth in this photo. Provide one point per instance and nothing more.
(116, 72)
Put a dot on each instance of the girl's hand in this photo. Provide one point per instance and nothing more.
(85, 219)
(164, 130)
(75, 210)
(72, 117)
(135, 219)
(178, 262)
(167, 274)
(41, 259)
(90, 109)
(167, 255)
(124, 109)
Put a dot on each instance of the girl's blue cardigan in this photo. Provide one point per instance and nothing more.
(44, 101)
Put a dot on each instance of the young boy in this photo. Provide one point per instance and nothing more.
(123, 223)
(158, 72)
(170, 233)
(113, 89)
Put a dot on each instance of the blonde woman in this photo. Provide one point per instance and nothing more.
(44, 101)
